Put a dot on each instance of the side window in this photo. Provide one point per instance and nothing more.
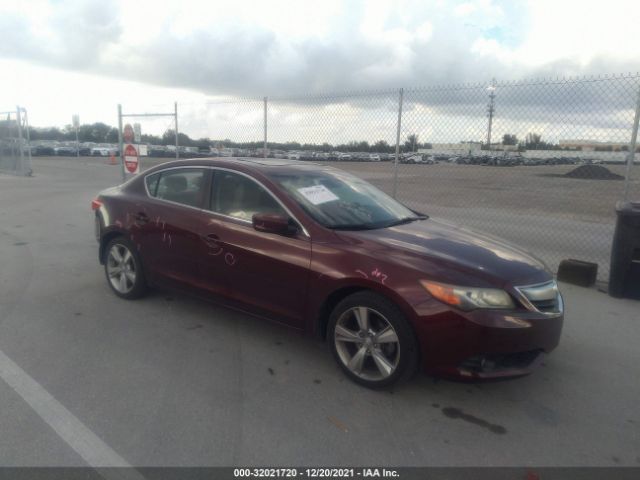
(181, 185)
(237, 196)
(152, 183)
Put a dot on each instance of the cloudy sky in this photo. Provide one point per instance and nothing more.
(60, 57)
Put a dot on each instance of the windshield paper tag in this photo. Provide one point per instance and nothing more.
(318, 194)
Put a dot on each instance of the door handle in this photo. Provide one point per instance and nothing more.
(211, 239)
(213, 243)
(141, 218)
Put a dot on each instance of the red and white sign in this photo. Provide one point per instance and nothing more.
(131, 162)
(128, 134)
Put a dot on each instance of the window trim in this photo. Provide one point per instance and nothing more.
(209, 184)
(155, 190)
(153, 197)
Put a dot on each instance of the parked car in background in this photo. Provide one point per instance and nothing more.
(374, 157)
(344, 157)
(101, 151)
(414, 158)
(66, 151)
(389, 288)
(156, 151)
(43, 150)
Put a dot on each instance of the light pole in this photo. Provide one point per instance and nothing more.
(491, 109)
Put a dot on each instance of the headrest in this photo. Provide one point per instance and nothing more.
(176, 183)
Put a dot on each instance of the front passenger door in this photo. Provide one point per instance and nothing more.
(264, 270)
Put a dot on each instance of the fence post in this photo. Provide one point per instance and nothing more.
(120, 144)
(265, 128)
(19, 124)
(395, 165)
(76, 124)
(175, 113)
(632, 148)
(25, 119)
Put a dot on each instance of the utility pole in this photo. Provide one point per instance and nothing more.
(491, 109)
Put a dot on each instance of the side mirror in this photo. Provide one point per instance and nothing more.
(273, 223)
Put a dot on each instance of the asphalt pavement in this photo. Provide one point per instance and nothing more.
(89, 379)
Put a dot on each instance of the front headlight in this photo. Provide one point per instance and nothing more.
(469, 298)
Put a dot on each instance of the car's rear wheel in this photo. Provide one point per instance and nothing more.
(123, 269)
(371, 340)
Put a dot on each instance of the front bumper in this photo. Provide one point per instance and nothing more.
(485, 344)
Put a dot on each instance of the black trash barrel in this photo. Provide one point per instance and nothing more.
(624, 278)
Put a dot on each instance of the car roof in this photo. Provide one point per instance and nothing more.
(263, 165)
(276, 162)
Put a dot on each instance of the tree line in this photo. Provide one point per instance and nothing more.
(102, 133)
(532, 141)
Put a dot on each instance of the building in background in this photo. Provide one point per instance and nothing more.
(593, 146)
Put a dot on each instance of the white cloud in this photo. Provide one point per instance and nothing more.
(580, 31)
(464, 9)
(67, 56)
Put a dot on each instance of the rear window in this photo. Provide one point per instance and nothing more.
(180, 185)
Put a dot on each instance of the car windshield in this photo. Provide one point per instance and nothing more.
(339, 200)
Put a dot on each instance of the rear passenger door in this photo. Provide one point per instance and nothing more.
(170, 244)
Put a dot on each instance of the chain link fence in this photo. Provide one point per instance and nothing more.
(541, 163)
(235, 125)
(15, 151)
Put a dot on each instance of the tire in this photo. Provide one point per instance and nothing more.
(126, 279)
(365, 360)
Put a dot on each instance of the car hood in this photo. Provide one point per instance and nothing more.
(450, 253)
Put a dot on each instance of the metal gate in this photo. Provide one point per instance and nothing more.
(15, 151)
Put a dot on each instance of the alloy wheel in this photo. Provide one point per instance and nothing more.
(121, 268)
(367, 344)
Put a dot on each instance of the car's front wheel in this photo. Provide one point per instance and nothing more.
(371, 340)
(123, 269)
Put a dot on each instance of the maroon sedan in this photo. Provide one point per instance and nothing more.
(324, 252)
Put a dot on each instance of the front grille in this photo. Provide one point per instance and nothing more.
(543, 297)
